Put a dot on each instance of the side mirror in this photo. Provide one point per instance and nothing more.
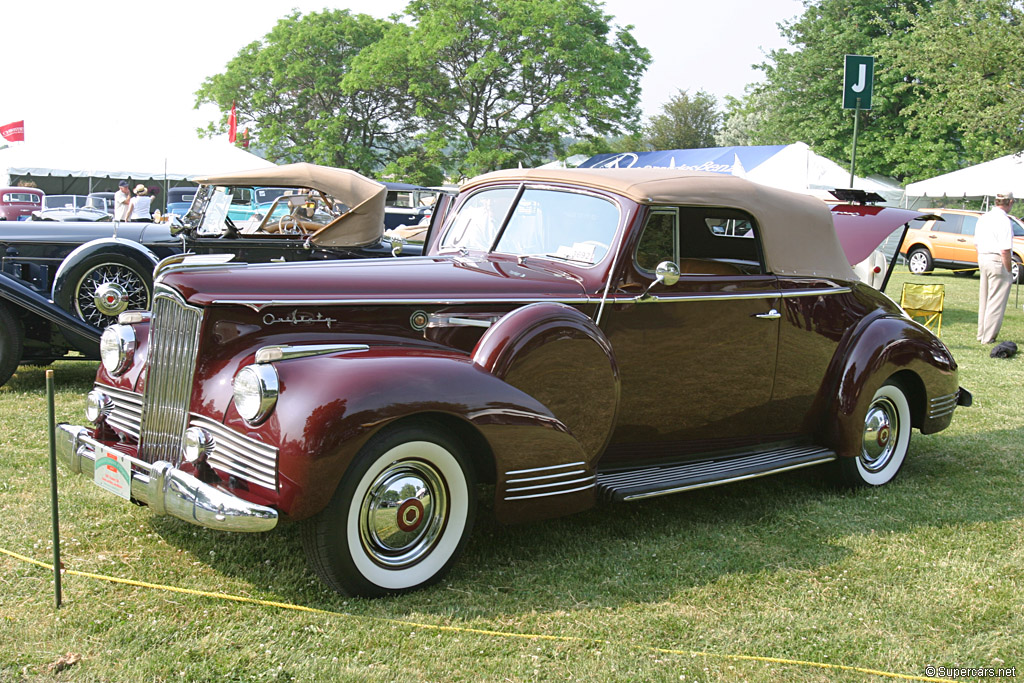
(666, 273)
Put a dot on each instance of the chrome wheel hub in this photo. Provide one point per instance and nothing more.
(403, 513)
(110, 298)
(881, 433)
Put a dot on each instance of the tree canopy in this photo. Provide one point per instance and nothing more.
(947, 89)
(465, 86)
(685, 122)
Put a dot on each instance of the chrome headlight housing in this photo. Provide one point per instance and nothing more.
(255, 392)
(117, 348)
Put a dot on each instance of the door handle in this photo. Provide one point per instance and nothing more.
(770, 315)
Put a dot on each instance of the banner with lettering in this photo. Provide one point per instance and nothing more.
(13, 132)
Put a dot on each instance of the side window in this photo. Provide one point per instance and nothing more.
(970, 222)
(659, 240)
(953, 222)
(719, 241)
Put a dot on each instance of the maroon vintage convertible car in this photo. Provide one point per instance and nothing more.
(569, 337)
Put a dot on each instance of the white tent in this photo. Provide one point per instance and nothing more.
(77, 167)
(792, 167)
(1005, 174)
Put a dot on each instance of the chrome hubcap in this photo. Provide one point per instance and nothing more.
(110, 298)
(403, 513)
(881, 434)
(108, 290)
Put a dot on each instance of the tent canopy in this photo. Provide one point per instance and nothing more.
(789, 167)
(69, 166)
(1005, 174)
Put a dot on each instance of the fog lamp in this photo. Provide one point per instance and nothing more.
(198, 444)
(98, 407)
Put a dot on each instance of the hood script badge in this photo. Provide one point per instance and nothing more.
(297, 318)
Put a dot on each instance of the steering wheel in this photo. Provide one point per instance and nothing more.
(288, 224)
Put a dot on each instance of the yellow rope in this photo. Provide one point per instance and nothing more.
(477, 631)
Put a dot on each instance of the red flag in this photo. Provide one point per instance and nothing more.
(13, 132)
(232, 125)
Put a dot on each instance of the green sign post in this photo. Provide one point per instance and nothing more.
(858, 82)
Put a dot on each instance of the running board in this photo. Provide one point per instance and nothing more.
(647, 482)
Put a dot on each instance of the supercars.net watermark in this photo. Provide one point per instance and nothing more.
(954, 672)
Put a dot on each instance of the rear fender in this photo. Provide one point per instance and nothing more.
(329, 407)
(890, 348)
(85, 338)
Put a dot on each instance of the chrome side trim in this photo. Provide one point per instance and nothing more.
(258, 305)
(269, 354)
(941, 406)
(552, 493)
(552, 480)
(546, 469)
(168, 491)
(466, 320)
(674, 297)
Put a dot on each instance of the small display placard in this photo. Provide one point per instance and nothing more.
(113, 472)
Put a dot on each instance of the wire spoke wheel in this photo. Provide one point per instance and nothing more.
(107, 290)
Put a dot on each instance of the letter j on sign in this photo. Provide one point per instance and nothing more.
(858, 81)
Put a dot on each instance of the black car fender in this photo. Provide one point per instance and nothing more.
(113, 247)
(82, 336)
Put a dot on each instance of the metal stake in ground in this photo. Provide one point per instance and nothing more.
(53, 487)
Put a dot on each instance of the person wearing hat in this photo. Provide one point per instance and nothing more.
(993, 238)
(122, 201)
(140, 205)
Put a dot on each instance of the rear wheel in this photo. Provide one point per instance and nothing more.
(11, 343)
(400, 516)
(885, 440)
(1016, 270)
(919, 261)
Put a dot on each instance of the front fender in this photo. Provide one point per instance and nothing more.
(82, 336)
(329, 406)
(891, 348)
(107, 245)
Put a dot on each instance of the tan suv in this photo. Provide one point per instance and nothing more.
(949, 243)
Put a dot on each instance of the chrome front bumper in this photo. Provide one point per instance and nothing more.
(168, 491)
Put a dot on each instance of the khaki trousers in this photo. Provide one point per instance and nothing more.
(992, 296)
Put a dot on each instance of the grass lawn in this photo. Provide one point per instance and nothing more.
(927, 571)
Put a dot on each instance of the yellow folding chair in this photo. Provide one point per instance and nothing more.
(924, 304)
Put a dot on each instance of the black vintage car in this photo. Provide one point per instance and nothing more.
(62, 283)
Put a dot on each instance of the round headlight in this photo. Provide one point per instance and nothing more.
(198, 444)
(97, 406)
(255, 389)
(117, 347)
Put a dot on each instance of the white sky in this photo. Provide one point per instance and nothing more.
(79, 70)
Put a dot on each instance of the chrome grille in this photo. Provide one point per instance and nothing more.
(240, 455)
(127, 412)
(173, 342)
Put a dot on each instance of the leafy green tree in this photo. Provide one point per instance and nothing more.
(288, 89)
(685, 123)
(965, 65)
(801, 96)
(501, 82)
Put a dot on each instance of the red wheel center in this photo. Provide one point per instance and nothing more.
(883, 436)
(410, 515)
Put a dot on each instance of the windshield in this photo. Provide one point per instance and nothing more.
(1018, 229)
(566, 226)
(62, 201)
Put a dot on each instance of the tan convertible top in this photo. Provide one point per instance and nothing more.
(796, 230)
(363, 224)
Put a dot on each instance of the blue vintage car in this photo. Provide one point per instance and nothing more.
(62, 285)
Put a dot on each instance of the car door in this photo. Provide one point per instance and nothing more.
(966, 252)
(696, 358)
(942, 238)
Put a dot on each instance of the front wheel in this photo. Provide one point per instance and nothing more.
(885, 440)
(919, 261)
(103, 286)
(400, 516)
(1016, 270)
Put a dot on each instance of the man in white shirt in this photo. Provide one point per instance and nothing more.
(122, 201)
(993, 238)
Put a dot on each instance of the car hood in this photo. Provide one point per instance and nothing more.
(411, 280)
(862, 228)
